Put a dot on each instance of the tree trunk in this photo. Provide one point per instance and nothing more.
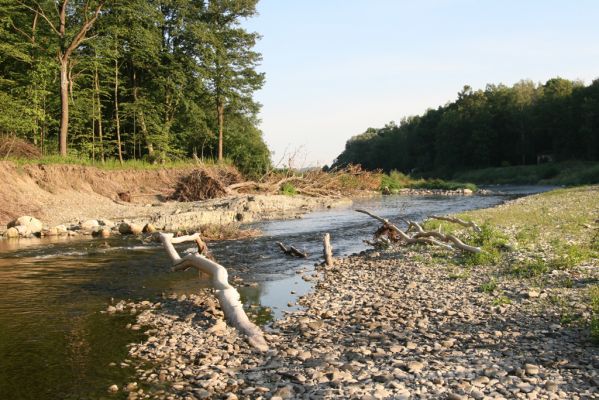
(220, 111)
(100, 133)
(142, 120)
(64, 106)
(116, 110)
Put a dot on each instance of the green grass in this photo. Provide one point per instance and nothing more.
(489, 286)
(529, 269)
(492, 242)
(395, 181)
(564, 173)
(594, 305)
(113, 164)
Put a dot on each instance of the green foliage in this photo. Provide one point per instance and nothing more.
(288, 189)
(395, 180)
(489, 286)
(530, 269)
(519, 126)
(491, 241)
(501, 300)
(150, 72)
(570, 255)
(440, 184)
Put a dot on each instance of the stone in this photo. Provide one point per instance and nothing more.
(126, 228)
(415, 366)
(104, 233)
(286, 392)
(89, 225)
(531, 369)
(11, 233)
(149, 228)
(113, 388)
(33, 224)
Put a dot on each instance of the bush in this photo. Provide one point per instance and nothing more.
(395, 181)
(288, 189)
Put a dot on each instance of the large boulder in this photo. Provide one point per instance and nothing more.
(32, 224)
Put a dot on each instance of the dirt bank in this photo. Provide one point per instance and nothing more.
(57, 194)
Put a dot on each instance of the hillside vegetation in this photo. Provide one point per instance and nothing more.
(500, 126)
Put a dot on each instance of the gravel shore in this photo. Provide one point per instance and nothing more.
(406, 322)
(377, 326)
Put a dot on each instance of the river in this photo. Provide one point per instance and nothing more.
(56, 344)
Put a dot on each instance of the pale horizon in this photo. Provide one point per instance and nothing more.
(334, 69)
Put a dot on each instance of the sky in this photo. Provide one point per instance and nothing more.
(336, 67)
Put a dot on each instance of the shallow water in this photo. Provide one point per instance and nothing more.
(55, 343)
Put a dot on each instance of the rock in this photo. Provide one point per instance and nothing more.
(286, 392)
(467, 192)
(33, 224)
(11, 233)
(104, 233)
(415, 366)
(533, 293)
(106, 223)
(113, 389)
(551, 387)
(531, 369)
(126, 228)
(149, 228)
(131, 386)
(89, 225)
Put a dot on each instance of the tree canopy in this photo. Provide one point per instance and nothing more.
(498, 126)
(133, 79)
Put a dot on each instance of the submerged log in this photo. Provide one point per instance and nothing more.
(227, 295)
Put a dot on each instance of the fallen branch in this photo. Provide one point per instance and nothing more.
(292, 251)
(227, 295)
(467, 224)
(424, 237)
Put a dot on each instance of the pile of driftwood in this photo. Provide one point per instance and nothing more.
(315, 183)
(415, 234)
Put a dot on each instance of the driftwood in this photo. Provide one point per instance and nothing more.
(292, 251)
(394, 234)
(328, 250)
(467, 224)
(227, 295)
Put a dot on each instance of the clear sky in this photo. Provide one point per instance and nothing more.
(336, 67)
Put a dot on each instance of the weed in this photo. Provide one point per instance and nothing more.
(395, 180)
(530, 269)
(501, 300)
(489, 286)
(288, 189)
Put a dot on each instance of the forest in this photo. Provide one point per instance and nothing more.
(138, 79)
(499, 126)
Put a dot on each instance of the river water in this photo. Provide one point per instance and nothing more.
(56, 344)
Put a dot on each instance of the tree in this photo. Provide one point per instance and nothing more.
(227, 59)
(69, 40)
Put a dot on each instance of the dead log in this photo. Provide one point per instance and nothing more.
(227, 295)
(421, 236)
(328, 250)
(292, 251)
(467, 224)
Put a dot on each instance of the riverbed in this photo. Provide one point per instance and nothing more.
(55, 342)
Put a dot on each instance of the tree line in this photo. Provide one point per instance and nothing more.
(524, 124)
(132, 79)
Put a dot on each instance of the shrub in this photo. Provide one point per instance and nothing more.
(288, 189)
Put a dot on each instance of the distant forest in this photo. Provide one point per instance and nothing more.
(135, 79)
(524, 124)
